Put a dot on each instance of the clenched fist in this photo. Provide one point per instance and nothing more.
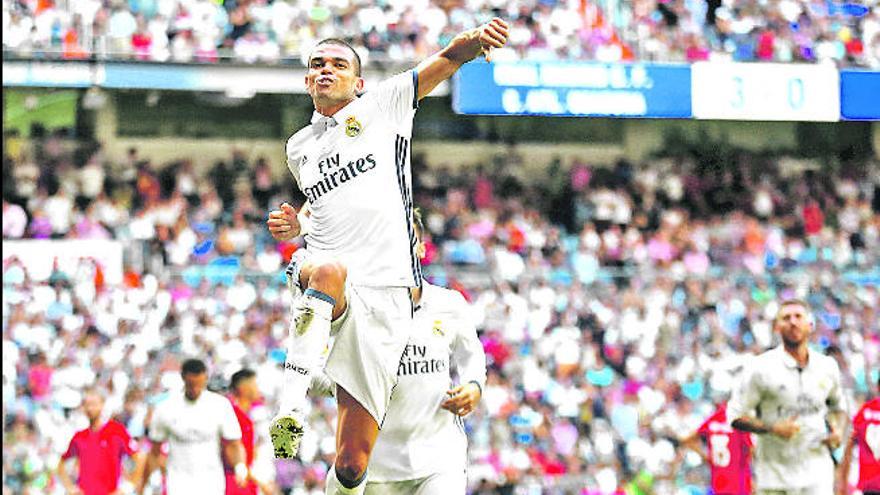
(283, 224)
(493, 34)
(462, 399)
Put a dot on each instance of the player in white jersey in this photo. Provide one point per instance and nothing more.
(352, 163)
(193, 423)
(791, 397)
(422, 448)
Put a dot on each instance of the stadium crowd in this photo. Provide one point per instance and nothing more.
(616, 304)
(266, 31)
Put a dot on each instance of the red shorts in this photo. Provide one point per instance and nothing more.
(233, 489)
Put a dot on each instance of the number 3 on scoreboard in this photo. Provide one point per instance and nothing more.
(719, 445)
(796, 93)
(738, 99)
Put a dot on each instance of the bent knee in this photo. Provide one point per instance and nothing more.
(327, 274)
(351, 466)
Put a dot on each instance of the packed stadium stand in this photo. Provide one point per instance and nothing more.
(616, 302)
(846, 33)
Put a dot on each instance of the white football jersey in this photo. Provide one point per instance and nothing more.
(355, 172)
(418, 438)
(774, 389)
(193, 431)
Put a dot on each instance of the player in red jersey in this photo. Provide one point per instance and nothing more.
(245, 392)
(729, 453)
(866, 434)
(99, 450)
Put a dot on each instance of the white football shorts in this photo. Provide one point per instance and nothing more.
(369, 339)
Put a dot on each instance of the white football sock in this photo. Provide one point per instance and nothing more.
(333, 487)
(308, 336)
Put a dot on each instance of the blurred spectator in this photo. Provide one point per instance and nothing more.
(605, 340)
(268, 32)
(14, 220)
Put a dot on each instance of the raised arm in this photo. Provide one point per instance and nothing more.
(462, 49)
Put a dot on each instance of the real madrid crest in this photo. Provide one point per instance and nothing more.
(437, 330)
(352, 127)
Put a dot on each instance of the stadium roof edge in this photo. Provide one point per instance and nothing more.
(229, 78)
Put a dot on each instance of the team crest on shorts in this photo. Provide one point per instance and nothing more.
(437, 330)
(352, 127)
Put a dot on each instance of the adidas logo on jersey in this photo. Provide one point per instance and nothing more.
(336, 175)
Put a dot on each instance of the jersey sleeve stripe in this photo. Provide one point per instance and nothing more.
(415, 103)
(401, 155)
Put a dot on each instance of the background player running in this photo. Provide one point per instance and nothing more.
(789, 397)
(244, 393)
(728, 453)
(99, 450)
(422, 448)
(865, 435)
(194, 422)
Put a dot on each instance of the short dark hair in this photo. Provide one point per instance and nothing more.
(417, 220)
(342, 43)
(193, 367)
(240, 376)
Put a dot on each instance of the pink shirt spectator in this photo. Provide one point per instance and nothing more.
(696, 262)
(14, 221)
(484, 195)
(181, 292)
(659, 249)
(140, 42)
(87, 228)
(40, 381)
(765, 45)
(41, 226)
(580, 177)
(431, 252)
(482, 229)
(565, 437)
(496, 349)
(697, 54)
